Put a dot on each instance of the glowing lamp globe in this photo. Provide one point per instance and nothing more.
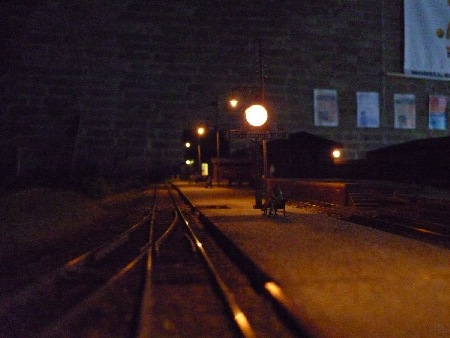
(201, 130)
(233, 103)
(256, 115)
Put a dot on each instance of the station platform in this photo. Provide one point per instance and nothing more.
(348, 280)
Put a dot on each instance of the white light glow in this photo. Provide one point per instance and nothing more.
(256, 115)
(201, 130)
(336, 153)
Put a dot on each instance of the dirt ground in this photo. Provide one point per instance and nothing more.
(42, 228)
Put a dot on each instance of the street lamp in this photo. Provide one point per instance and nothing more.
(216, 104)
(200, 132)
(256, 115)
(244, 93)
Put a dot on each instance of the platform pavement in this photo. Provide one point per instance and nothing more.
(349, 280)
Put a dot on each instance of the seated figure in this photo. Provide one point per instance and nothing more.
(277, 198)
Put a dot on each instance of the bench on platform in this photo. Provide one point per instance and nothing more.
(279, 205)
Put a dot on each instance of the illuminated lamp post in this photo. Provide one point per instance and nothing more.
(336, 153)
(189, 162)
(200, 132)
(216, 104)
(337, 157)
(245, 93)
(233, 102)
(256, 116)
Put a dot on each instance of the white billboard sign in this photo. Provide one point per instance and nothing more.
(326, 108)
(368, 109)
(427, 39)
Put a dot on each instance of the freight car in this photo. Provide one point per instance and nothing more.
(302, 155)
(234, 171)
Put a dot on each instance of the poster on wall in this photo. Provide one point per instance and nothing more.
(427, 39)
(368, 109)
(404, 111)
(437, 110)
(325, 108)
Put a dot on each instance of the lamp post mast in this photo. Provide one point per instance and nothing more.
(200, 132)
(199, 154)
(261, 185)
(261, 74)
(218, 143)
(262, 93)
(256, 115)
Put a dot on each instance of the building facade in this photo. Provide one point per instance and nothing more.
(106, 88)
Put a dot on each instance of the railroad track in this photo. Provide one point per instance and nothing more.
(198, 290)
(68, 300)
(421, 221)
(165, 276)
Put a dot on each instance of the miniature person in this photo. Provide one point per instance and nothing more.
(208, 182)
(272, 170)
(277, 196)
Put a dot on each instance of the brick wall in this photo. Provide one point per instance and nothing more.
(107, 88)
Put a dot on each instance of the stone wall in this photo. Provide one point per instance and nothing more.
(106, 88)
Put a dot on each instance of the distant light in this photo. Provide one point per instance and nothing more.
(189, 162)
(336, 153)
(256, 115)
(201, 130)
(188, 145)
(234, 103)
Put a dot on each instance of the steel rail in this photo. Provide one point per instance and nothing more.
(288, 311)
(166, 233)
(240, 319)
(396, 226)
(55, 328)
(144, 326)
(430, 226)
(104, 249)
(31, 294)
(378, 220)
